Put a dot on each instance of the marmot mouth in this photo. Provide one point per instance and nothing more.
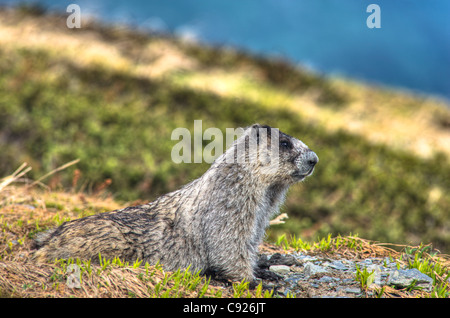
(302, 175)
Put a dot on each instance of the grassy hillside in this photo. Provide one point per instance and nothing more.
(111, 97)
(28, 209)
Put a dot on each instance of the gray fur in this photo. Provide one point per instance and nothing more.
(214, 224)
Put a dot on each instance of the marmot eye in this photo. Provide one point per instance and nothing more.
(286, 144)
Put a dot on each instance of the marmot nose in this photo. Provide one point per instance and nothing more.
(311, 158)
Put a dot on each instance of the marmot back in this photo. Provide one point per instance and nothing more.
(213, 224)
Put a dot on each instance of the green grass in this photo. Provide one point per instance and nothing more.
(425, 260)
(160, 284)
(431, 267)
(119, 126)
(180, 283)
(323, 244)
(364, 277)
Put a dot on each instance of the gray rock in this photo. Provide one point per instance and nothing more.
(336, 276)
(404, 278)
(353, 290)
(304, 258)
(311, 269)
(365, 262)
(280, 269)
(294, 279)
(326, 279)
(338, 265)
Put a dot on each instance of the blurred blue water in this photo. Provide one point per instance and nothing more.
(411, 50)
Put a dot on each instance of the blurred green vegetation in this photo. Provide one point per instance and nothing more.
(278, 72)
(119, 125)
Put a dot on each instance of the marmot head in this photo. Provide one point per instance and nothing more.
(276, 156)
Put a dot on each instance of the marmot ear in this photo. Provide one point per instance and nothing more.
(258, 127)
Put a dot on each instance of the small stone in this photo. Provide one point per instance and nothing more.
(280, 269)
(365, 263)
(404, 278)
(326, 279)
(293, 279)
(348, 280)
(352, 290)
(311, 269)
(338, 265)
(304, 258)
